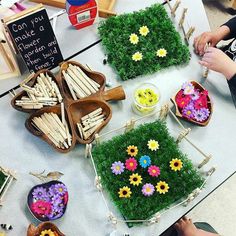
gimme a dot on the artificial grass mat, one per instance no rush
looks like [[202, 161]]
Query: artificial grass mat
[[115, 33], [181, 183]]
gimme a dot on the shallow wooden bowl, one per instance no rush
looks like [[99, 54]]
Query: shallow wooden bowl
[[210, 106], [31, 83], [96, 76], [36, 231], [83, 107], [32, 129]]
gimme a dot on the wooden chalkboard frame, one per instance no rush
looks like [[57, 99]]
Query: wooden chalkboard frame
[[39, 49]]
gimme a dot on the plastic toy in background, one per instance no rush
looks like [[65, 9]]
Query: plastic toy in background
[[82, 13]]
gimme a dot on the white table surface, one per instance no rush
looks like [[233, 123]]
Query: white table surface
[[86, 213]]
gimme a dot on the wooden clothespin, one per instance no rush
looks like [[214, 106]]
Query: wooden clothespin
[[174, 8], [182, 19]]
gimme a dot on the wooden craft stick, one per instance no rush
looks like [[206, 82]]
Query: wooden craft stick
[[71, 89], [57, 91], [63, 114], [92, 114], [80, 130], [93, 89], [175, 7], [91, 131], [189, 33], [91, 125], [78, 82], [91, 81]]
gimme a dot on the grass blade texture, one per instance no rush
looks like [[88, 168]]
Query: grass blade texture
[[181, 183], [115, 34]]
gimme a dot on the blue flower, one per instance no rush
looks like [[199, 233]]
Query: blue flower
[[145, 161]]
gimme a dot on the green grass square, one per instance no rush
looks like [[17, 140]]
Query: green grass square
[[137, 207], [115, 33]]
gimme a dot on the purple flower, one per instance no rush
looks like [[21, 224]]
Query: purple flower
[[148, 190], [55, 213], [188, 88], [40, 193], [57, 200], [199, 115], [60, 189], [195, 95], [117, 168], [188, 111], [206, 111]]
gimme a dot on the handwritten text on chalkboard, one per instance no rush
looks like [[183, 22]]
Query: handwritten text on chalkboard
[[36, 41]]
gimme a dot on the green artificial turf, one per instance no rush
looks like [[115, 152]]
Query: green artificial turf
[[138, 206], [115, 33]]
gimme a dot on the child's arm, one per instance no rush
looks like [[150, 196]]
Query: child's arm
[[231, 24]]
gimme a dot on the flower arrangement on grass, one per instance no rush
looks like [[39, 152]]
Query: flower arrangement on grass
[[124, 35], [154, 185], [48, 202], [193, 103]]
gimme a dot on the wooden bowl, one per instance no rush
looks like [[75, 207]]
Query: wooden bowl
[[178, 112], [83, 107], [36, 231], [31, 83], [57, 110], [96, 76]]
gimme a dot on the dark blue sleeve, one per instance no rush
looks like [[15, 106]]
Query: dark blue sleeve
[[232, 87], [232, 26]]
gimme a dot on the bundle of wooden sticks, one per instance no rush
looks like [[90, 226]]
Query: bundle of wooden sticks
[[56, 129], [44, 93], [90, 123], [79, 84]]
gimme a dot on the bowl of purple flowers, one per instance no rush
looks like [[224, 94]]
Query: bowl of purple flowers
[[48, 201], [193, 103]]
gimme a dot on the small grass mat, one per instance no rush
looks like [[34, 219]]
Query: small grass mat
[[137, 207], [115, 34]]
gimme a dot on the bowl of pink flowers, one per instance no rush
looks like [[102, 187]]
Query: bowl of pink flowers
[[192, 103]]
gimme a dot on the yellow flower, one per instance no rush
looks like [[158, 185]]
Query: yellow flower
[[135, 179], [161, 52], [133, 38], [138, 56], [176, 164], [144, 30], [153, 145], [162, 187], [47, 232], [132, 150], [125, 192]]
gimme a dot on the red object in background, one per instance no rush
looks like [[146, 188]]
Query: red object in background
[[83, 15]]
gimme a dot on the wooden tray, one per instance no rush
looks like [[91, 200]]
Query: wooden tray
[[30, 84], [104, 6], [74, 109], [210, 107], [35, 231]]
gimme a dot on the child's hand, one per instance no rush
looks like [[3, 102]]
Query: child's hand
[[218, 61], [203, 39]]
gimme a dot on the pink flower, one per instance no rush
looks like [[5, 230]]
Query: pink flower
[[182, 100], [154, 171], [41, 208], [200, 103], [66, 196], [131, 164]]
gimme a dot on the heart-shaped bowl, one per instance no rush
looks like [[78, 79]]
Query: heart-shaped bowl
[[96, 76], [179, 111], [83, 107], [42, 229], [31, 83], [48, 201], [35, 131]]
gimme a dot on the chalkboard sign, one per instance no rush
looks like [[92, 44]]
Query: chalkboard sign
[[34, 38]]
